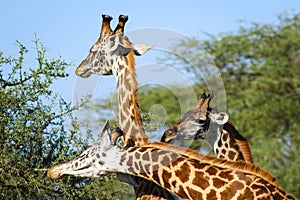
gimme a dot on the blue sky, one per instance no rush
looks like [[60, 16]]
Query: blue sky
[[69, 28]]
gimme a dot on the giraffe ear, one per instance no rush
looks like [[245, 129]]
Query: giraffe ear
[[219, 118], [140, 49], [121, 50], [105, 135]]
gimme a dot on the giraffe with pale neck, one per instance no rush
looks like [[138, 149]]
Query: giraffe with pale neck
[[113, 54], [184, 172]]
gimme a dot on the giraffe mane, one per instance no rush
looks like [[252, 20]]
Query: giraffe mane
[[239, 165], [240, 140], [137, 112]]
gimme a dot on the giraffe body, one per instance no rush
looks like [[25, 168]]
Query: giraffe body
[[184, 172]]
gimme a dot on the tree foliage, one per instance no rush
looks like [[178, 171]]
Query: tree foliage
[[37, 130]]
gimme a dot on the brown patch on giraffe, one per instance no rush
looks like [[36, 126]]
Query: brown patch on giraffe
[[247, 178], [192, 192], [141, 150], [212, 171], [226, 145], [248, 193], [226, 194], [137, 155], [129, 161], [154, 157], [165, 161], [166, 176], [220, 143], [141, 166], [226, 175], [147, 168], [224, 152], [224, 137], [211, 195], [146, 156], [261, 190], [184, 172], [236, 185], [155, 167], [182, 193], [123, 158], [201, 180], [155, 177], [218, 183], [136, 166], [174, 183], [231, 155]]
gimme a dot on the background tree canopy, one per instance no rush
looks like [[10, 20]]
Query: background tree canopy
[[260, 67]]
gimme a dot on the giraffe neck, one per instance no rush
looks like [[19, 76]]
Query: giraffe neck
[[229, 144], [129, 111], [186, 173]]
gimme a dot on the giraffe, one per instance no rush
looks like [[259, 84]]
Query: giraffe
[[182, 171], [113, 53], [206, 123]]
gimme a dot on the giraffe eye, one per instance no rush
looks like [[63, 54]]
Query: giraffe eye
[[119, 142], [200, 121]]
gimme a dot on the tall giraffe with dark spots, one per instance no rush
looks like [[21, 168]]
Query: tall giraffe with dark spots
[[113, 53]]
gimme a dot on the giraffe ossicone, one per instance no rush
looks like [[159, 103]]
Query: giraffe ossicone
[[184, 172]]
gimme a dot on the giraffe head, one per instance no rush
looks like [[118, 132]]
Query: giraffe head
[[93, 162], [197, 123], [109, 50]]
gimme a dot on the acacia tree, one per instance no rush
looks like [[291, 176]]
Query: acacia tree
[[37, 130]]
